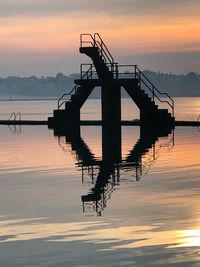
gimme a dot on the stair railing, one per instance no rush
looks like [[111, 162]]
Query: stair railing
[[105, 53], [138, 74], [14, 116], [61, 100], [155, 92], [89, 74], [87, 40]]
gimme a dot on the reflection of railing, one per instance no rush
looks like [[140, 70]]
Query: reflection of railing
[[15, 116], [100, 203], [66, 148], [15, 129], [91, 171], [156, 149]]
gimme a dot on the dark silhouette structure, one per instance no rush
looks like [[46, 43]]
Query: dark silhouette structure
[[105, 172], [111, 77]]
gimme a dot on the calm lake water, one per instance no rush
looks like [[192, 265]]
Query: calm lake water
[[73, 199]]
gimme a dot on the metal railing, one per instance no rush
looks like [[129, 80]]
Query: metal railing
[[15, 116], [155, 92], [88, 71], [87, 40], [130, 72], [61, 100], [85, 74]]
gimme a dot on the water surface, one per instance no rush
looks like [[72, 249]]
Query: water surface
[[64, 204]]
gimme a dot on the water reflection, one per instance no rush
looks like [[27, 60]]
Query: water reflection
[[15, 129], [105, 172]]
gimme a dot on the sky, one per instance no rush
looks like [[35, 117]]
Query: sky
[[41, 37]]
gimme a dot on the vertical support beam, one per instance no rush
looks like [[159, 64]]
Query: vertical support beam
[[110, 102], [111, 143]]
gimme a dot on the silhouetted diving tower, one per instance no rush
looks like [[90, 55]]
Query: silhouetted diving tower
[[109, 75]]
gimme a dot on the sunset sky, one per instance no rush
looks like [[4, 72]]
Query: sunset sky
[[41, 37]]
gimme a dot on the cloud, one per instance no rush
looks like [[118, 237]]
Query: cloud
[[111, 7]]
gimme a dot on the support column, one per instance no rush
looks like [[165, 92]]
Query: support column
[[110, 102]]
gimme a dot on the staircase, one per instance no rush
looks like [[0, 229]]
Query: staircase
[[100, 55], [72, 101], [106, 73], [149, 110]]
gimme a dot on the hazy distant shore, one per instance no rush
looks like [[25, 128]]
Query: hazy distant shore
[[54, 86]]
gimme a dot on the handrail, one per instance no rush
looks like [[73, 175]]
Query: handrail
[[103, 48], [66, 94], [86, 42], [90, 73], [87, 74], [139, 74], [15, 115], [96, 41], [145, 80]]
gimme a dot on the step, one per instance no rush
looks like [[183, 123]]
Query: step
[[68, 105]]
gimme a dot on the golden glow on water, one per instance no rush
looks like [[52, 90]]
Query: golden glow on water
[[34, 152], [158, 213], [188, 238], [98, 232]]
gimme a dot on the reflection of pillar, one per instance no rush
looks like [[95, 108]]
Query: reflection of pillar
[[111, 102], [111, 143]]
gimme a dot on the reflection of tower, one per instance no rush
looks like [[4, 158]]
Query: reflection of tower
[[105, 173], [147, 140], [108, 175], [111, 143]]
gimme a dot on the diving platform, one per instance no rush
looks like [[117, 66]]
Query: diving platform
[[111, 77]]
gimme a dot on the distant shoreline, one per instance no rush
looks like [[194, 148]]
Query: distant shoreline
[[186, 85], [56, 98]]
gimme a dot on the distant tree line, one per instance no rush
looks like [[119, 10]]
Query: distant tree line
[[44, 87], [176, 85], [53, 87]]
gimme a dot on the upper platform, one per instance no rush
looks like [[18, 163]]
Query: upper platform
[[98, 82]]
